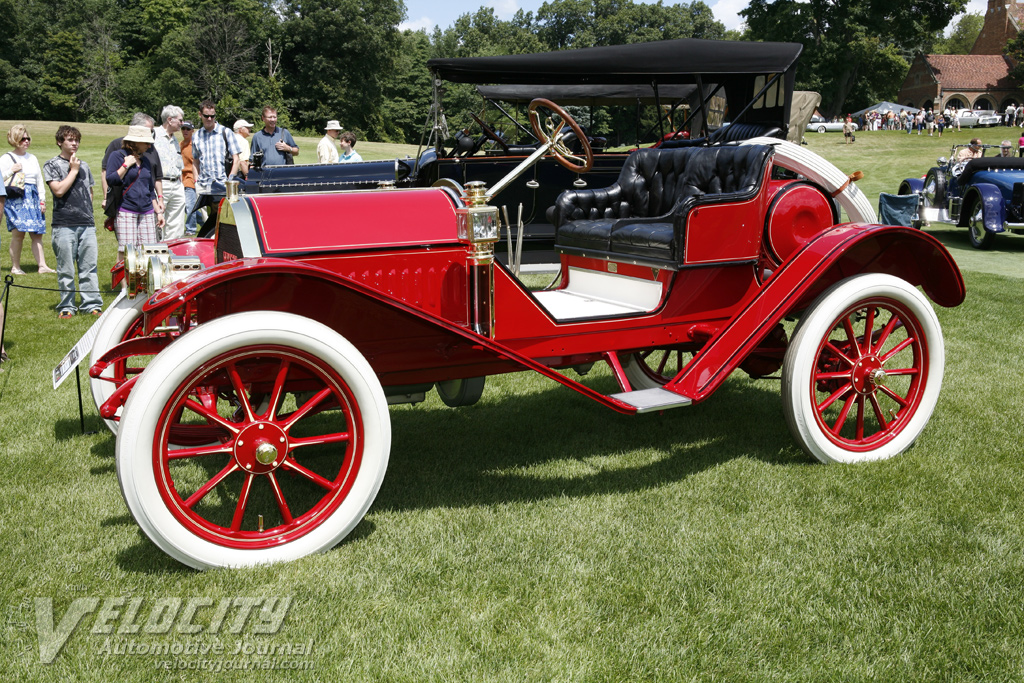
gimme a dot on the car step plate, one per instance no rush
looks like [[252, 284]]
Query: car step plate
[[650, 400]]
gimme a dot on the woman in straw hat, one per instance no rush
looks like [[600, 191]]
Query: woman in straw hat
[[138, 216]]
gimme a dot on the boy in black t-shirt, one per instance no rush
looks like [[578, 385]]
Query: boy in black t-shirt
[[74, 228]]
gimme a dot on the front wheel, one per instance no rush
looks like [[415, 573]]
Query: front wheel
[[291, 439], [862, 375], [935, 189], [980, 237], [821, 129], [120, 322]]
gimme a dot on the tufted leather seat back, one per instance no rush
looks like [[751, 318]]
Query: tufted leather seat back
[[651, 179]]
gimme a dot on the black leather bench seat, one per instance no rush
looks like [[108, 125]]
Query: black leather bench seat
[[585, 234], [642, 216], [649, 240]]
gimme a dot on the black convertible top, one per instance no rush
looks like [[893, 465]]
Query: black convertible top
[[588, 95], [666, 61]]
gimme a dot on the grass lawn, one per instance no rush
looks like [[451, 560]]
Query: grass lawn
[[536, 536]]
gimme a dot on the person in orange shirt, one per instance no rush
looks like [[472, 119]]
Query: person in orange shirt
[[188, 176]]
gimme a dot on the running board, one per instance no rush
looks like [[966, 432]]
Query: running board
[[650, 400]]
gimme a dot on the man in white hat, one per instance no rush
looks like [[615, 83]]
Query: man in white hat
[[243, 129], [326, 150]]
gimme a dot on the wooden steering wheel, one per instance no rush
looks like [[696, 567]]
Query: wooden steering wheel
[[489, 134], [551, 131]]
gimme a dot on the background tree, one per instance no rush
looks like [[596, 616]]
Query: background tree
[[1015, 51], [339, 56], [852, 50], [961, 39]]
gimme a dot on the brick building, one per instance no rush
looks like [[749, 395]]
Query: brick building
[[980, 80]]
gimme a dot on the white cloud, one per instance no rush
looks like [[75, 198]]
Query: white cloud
[[976, 7], [423, 22], [504, 9], [727, 12]]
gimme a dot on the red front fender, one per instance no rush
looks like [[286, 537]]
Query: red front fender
[[403, 343], [841, 252]]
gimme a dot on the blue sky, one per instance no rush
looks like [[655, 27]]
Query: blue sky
[[428, 13]]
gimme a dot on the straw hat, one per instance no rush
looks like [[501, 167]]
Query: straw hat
[[139, 134], [333, 125]]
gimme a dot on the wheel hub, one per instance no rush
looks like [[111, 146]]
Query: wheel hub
[[261, 448], [868, 375]]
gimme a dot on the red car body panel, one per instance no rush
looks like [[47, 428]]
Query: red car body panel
[[355, 220], [407, 309]]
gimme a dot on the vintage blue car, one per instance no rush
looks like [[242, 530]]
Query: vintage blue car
[[984, 195]]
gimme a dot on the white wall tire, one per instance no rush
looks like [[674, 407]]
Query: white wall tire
[[115, 326], [811, 166], [306, 473], [848, 401]]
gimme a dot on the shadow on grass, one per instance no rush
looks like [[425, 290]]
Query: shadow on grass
[[545, 444], [555, 444], [70, 427]]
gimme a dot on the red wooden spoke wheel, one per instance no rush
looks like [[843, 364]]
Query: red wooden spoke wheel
[[257, 449], [289, 432], [563, 154], [861, 377]]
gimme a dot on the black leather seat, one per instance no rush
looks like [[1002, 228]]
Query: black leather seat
[[642, 216]]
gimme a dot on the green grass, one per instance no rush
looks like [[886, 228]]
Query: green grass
[[539, 537]]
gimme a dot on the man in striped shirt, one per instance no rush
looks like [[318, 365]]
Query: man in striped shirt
[[212, 146]]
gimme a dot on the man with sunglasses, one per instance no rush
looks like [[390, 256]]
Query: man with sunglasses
[[212, 146]]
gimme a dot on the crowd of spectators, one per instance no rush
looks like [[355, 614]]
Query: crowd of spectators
[[155, 187]]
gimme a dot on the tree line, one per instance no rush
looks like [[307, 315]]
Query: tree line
[[102, 60]]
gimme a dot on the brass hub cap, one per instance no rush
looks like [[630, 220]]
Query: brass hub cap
[[868, 375], [261, 448]]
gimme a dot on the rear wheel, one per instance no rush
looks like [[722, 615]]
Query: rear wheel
[[654, 367], [821, 129], [291, 439], [456, 393], [862, 375]]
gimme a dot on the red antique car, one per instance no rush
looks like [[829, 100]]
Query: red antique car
[[248, 376]]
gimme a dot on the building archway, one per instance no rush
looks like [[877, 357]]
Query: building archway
[[956, 102], [1007, 102], [928, 104], [984, 103]]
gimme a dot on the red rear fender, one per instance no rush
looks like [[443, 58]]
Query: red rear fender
[[841, 252]]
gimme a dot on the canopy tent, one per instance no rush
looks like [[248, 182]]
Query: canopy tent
[[885, 108]]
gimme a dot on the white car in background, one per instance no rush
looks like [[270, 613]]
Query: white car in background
[[981, 118], [819, 125]]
